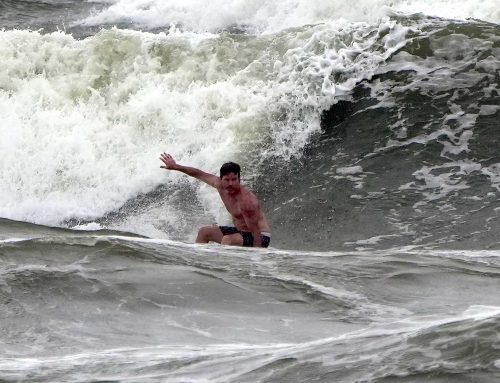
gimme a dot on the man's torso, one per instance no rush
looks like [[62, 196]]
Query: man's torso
[[234, 206]]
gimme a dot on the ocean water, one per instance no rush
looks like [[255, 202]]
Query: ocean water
[[369, 130]]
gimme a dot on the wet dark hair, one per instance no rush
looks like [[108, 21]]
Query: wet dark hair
[[230, 167]]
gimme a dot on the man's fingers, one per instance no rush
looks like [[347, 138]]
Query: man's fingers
[[167, 160]]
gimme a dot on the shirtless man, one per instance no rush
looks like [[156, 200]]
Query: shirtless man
[[250, 224]]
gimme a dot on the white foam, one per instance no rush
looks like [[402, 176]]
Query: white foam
[[351, 170], [372, 241], [486, 10], [74, 151], [255, 16], [271, 16], [91, 226], [13, 240], [354, 174], [437, 182], [493, 172], [489, 110]]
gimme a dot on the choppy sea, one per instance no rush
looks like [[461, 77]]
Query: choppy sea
[[370, 131]]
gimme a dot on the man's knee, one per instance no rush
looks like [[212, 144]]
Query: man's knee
[[209, 233], [204, 231]]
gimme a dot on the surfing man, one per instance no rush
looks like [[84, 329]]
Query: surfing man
[[250, 224]]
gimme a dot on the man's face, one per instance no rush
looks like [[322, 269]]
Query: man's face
[[231, 183]]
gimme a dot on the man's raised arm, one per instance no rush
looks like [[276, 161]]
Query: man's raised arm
[[170, 164]]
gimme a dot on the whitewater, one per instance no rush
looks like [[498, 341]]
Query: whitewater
[[368, 130]]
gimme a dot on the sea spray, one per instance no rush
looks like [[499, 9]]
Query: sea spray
[[269, 17]]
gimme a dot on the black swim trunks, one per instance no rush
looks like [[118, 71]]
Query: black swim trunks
[[247, 236]]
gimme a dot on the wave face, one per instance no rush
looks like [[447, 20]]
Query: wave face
[[370, 125], [103, 306]]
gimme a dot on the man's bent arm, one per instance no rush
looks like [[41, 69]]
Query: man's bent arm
[[170, 164]]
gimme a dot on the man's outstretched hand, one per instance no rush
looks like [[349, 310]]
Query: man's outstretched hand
[[168, 161]]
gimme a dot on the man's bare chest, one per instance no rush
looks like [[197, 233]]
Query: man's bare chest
[[233, 206]]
